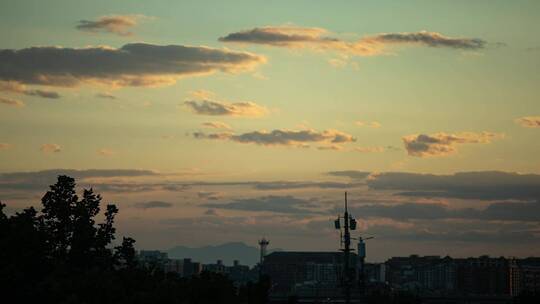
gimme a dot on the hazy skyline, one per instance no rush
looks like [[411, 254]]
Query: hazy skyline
[[216, 121]]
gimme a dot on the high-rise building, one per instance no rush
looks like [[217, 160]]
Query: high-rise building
[[437, 276], [483, 276], [154, 259], [175, 265], [375, 272], [191, 268], [403, 272], [302, 272], [218, 267], [525, 276]]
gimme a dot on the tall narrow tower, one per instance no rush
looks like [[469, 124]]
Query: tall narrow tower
[[347, 251], [263, 243], [349, 223]]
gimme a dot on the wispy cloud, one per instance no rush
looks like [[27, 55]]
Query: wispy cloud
[[369, 124], [223, 108], [18, 88], [352, 174], [459, 231], [202, 94], [220, 136], [331, 147], [115, 24], [529, 121], [442, 144], [5, 146], [297, 37], [136, 64], [216, 125], [32, 181], [211, 212], [287, 185], [322, 40], [485, 185], [369, 149], [105, 95], [11, 102], [506, 211], [299, 138], [271, 203], [42, 93], [106, 152], [208, 195], [291, 137], [50, 148], [425, 38], [152, 205]]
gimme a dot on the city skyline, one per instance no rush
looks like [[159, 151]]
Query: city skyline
[[208, 122]]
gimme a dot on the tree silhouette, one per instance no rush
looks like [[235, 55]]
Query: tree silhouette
[[125, 254], [60, 255]]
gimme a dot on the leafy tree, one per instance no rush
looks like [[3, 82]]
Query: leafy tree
[[256, 292], [58, 210], [60, 255], [125, 253]]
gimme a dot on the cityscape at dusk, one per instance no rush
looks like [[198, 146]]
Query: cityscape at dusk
[[212, 125]]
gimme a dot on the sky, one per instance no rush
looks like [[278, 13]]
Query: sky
[[215, 121]]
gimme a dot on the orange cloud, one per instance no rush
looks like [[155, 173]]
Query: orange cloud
[[369, 149], [299, 37], [442, 144], [5, 146], [11, 102], [116, 24], [18, 88], [135, 64], [331, 147], [106, 152], [369, 124], [425, 38], [278, 137], [529, 121], [216, 125], [222, 108], [50, 148], [320, 39]]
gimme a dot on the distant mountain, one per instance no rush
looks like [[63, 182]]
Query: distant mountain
[[228, 252]]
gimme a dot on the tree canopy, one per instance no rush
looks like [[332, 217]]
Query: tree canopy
[[61, 255]]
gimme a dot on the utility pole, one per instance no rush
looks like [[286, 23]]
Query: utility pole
[[346, 251], [349, 223]]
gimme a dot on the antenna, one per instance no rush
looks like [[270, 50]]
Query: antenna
[[345, 201], [348, 224], [263, 243]]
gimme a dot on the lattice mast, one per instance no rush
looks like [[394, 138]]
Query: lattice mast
[[349, 223]]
